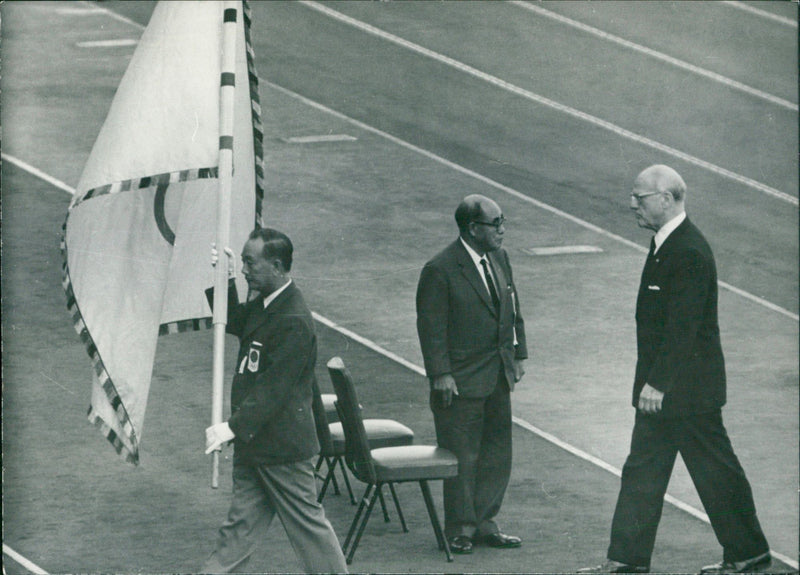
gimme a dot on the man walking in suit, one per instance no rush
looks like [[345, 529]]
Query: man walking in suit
[[272, 423], [679, 391], [473, 343]]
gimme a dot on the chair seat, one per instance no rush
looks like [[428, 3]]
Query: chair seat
[[380, 433], [414, 463]]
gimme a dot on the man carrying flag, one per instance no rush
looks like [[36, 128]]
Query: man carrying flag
[[272, 423], [149, 197]]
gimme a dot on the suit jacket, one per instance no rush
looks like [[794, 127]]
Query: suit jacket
[[274, 381], [677, 331], [460, 331]]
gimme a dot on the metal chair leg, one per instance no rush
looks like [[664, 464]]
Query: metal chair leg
[[437, 528], [332, 469], [359, 511], [397, 506], [383, 504], [361, 527], [330, 477], [347, 481]]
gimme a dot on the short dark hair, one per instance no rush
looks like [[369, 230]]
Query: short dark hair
[[276, 244], [468, 211]]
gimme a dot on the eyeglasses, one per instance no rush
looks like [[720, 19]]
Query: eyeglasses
[[638, 197], [495, 224]]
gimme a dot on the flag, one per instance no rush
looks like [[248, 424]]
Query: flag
[[138, 232]]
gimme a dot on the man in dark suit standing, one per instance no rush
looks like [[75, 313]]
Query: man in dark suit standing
[[272, 423], [473, 343], [679, 390]]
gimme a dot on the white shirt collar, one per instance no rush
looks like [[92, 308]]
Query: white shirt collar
[[667, 229], [472, 253], [476, 259], [271, 297]]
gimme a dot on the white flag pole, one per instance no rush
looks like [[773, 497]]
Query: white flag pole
[[231, 18]]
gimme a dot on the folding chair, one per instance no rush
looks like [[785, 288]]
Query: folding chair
[[381, 433], [386, 465]]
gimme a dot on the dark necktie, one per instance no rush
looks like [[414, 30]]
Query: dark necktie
[[490, 284], [652, 246]]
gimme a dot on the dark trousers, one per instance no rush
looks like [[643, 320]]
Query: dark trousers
[[478, 432], [717, 475]]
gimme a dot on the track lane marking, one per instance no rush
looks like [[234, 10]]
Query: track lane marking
[[38, 173], [111, 14], [575, 113], [762, 13], [323, 138], [561, 250], [121, 42], [29, 565], [655, 54]]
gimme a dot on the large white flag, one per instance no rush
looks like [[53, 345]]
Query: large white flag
[[138, 231]]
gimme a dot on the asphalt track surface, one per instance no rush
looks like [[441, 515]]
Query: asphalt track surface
[[505, 99]]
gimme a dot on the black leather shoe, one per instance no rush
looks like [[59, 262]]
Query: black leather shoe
[[501, 541], [752, 565], [460, 544], [615, 567]]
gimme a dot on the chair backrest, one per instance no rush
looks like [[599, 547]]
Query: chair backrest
[[357, 452], [321, 422]]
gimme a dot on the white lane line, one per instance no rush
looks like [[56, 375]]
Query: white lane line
[[658, 55], [762, 13], [594, 120], [88, 11], [368, 343], [682, 505], [53, 381], [112, 14], [38, 173], [320, 138], [29, 565], [512, 192], [562, 250], [107, 43]]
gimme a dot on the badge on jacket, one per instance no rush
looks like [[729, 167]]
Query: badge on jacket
[[252, 358]]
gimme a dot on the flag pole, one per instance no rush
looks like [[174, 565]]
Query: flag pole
[[220, 313]]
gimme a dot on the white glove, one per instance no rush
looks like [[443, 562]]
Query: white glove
[[216, 435], [231, 259]]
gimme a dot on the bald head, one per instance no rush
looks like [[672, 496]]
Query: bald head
[[480, 223], [661, 178], [472, 208], [658, 196]]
